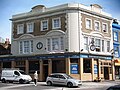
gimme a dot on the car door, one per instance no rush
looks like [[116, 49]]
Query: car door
[[61, 80], [16, 76], [55, 79]]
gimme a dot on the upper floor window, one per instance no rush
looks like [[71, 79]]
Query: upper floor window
[[20, 28], [116, 51], [103, 45], [55, 44], [98, 45], [30, 27], [86, 43], [56, 23], [44, 25], [88, 24], [104, 27], [108, 46], [26, 47], [115, 36], [97, 26]]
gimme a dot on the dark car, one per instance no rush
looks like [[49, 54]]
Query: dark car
[[116, 87]]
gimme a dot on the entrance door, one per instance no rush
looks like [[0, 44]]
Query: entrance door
[[106, 73], [45, 72]]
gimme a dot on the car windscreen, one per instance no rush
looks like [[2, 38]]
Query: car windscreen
[[22, 72], [68, 76]]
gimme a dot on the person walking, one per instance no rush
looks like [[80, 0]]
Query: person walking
[[35, 78]]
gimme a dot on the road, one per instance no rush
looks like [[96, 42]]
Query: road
[[43, 86]]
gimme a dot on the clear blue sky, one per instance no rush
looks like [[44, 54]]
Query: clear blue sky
[[12, 7]]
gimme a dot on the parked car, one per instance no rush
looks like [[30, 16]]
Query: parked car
[[116, 87], [62, 79], [13, 75]]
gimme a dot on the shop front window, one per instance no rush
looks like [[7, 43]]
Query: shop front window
[[87, 66], [33, 66], [58, 66]]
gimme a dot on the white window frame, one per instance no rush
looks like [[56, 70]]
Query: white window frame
[[86, 43], [20, 28], [115, 36], [106, 27], [108, 46], [42, 29], [53, 25], [29, 48], [103, 45], [90, 26], [51, 44], [95, 26], [98, 44], [30, 27]]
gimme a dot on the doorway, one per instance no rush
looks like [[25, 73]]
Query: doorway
[[106, 73], [45, 72]]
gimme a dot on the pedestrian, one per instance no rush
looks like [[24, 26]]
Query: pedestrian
[[35, 78]]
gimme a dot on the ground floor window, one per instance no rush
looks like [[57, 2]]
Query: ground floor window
[[74, 66], [87, 67], [33, 66], [6, 64], [58, 66]]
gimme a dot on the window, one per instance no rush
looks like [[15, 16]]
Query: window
[[88, 24], [56, 23], [20, 28], [44, 25], [58, 66], [103, 48], [48, 44], [86, 66], [108, 46], [62, 43], [25, 47], [115, 35], [21, 49], [104, 27], [55, 44], [97, 26], [97, 44], [86, 43], [30, 27], [116, 51]]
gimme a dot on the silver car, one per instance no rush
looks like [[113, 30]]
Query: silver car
[[62, 79]]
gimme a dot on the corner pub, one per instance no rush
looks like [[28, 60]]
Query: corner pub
[[61, 39]]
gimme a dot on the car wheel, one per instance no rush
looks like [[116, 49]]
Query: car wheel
[[21, 81], [49, 83], [3, 81], [69, 84]]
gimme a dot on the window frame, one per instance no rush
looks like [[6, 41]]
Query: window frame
[[30, 27], [26, 49], [53, 24], [98, 25], [115, 36], [106, 27], [90, 26], [50, 42], [42, 28], [20, 28]]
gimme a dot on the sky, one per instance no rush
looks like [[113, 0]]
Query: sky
[[13, 7]]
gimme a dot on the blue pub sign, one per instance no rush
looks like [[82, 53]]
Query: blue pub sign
[[74, 68]]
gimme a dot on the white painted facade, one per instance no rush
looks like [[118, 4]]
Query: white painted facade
[[73, 37]]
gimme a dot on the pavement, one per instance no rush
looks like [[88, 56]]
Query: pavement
[[85, 85]]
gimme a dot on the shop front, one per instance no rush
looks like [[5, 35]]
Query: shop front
[[80, 66], [117, 68]]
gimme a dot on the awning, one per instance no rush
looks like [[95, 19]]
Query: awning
[[117, 62]]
